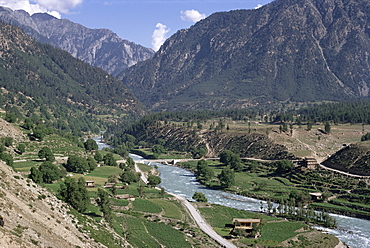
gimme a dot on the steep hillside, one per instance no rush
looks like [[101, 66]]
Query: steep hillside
[[288, 50], [353, 159], [33, 217], [98, 47], [42, 79]]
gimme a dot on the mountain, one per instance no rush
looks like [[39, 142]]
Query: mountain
[[41, 81], [288, 50], [98, 47]]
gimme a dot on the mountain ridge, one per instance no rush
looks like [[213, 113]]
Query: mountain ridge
[[284, 51], [98, 47]]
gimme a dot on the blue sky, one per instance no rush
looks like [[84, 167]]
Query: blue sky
[[145, 22]]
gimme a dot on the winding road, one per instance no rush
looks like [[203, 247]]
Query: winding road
[[196, 216]]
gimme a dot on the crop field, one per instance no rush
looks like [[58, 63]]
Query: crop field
[[146, 206], [166, 235], [171, 209], [24, 166]]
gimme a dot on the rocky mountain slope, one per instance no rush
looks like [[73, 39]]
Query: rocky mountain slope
[[288, 50], [33, 217], [98, 47]]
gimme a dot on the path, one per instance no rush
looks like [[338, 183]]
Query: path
[[202, 224], [342, 172]]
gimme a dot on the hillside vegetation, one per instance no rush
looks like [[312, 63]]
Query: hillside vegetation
[[49, 83]]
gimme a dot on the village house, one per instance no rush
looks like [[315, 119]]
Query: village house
[[90, 184], [310, 163], [125, 197], [316, 196], [246, 224]]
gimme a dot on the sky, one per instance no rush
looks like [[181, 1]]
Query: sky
[[144, 22]]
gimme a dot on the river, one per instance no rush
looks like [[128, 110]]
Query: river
[[353, 231]]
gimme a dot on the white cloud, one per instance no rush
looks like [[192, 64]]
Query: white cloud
[[159, 36], [258, 6], [192, 15], [52, 7]]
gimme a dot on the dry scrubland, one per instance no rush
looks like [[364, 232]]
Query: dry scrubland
[[302, 143]]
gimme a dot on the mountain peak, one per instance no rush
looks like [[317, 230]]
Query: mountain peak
[[43, 17]]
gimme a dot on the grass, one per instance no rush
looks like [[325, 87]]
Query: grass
[[280, 231], [24, 166], [144, 167], [146, 206], [136, 233], [167, 236], [171, 209]]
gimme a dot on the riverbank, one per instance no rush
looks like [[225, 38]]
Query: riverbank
[[182, 182]]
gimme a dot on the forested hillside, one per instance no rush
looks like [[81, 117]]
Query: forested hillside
[[288, 50], [49, 83]]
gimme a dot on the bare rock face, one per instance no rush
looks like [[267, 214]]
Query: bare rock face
[[98, 47], [288, 50]]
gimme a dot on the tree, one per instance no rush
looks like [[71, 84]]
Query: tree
[[49, 172], [197, 152], [90, 145], [226, 156], [35, 175], [158, 149], [8, 141], [129, 176], [309, 125], [140, 190], [7, 158], [203, 170], [104, 204], [226, 177], [199, 197], [46, 153], [28, 124], [154, 180], [284, 166], [74, 193], [39, 132], [10, 117], [76, 164], [91, 163], [327, 127], [98, 157], [130, 163], [109, 159], [21, 148]]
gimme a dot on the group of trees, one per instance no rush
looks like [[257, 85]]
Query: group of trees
[[79, 164], [75, 193], [204, 172], [295, 210], [232, 160]]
